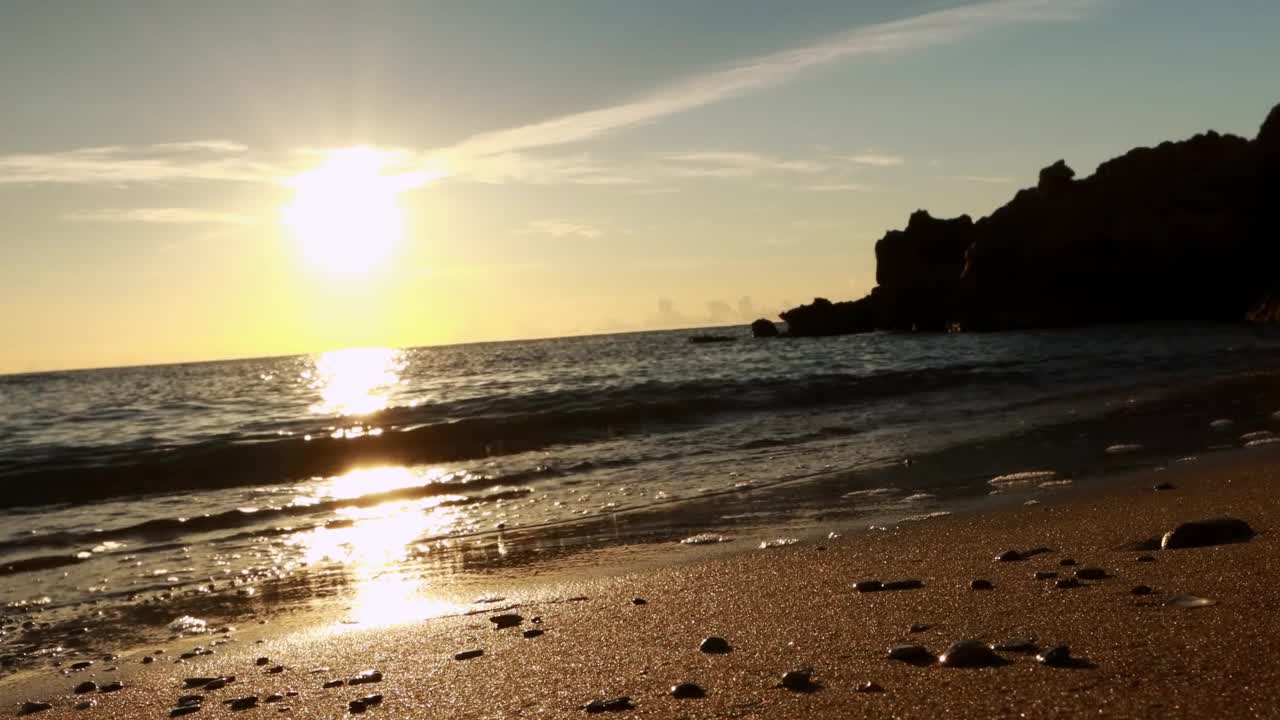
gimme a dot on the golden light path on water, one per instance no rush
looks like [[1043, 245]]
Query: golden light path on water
[[357, 381], [378, 543]]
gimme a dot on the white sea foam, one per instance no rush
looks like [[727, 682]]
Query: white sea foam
[[188, 625], [873, 492], [1262, 441], [1054, 483], [925, 516], [704, 539], [1258, 435], [1025, 476], [778, 542], [918, 497], [1222, 424], [1123, 448]]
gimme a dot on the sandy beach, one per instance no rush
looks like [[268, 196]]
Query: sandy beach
[[793, 608]]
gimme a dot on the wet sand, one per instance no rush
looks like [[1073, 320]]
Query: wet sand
[[793, 607]]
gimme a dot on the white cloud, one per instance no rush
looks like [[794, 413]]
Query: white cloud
[[877, 160], [561, 228], [214, 160], [734, 164], [164, 216]]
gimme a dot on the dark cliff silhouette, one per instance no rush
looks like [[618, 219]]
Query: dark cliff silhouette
[[1184, 231]]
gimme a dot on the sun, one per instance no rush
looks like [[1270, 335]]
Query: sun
[[345, 215]]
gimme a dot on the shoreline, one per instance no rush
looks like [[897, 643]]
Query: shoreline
[[790, 607]]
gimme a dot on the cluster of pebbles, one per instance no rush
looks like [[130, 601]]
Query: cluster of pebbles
[[962, 653]]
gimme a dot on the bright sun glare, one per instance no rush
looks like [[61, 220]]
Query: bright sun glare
[[345, 214]]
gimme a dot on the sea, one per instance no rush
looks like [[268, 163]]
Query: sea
[[394, 484]]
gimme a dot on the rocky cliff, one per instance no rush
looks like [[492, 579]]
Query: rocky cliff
[[1181, 231]]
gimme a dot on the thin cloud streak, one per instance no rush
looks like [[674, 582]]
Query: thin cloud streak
[[161, 216], [719, 164], [762, 72], [877, 160], [165, 162], [561, 228]]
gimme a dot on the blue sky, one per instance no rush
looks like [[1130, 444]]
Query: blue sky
[[594, 165]]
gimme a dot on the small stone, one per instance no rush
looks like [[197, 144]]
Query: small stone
[[1141, 590], [274, 698], [611, 705], [639, 601], [1158, 487], [1009, 556], [82, 665], [184, 710], [798, 681], [1045, 575], [981, 585], [714, 645], [869, 687], [864, 586], [468, 654], [190, 699], [1067, 562], [87, 686], [532, 633], [1207, 532], [1146, 558], [903, 585], [111, 687], [970, 654], [908, 653], [1189, 601], [86, 704], [1057, 656], [366, 677], [1091, 573], [216, 684], [30, 707], [1015, 646], [918, 628], [536, 619], [334, 684], [262, 661], [506, 620], [275, 670], [243, 703], [1067, 583], [194, 682], [148, 660], [687, 691]]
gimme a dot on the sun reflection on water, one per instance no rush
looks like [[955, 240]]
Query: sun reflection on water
[[378, 544], [356, 381]]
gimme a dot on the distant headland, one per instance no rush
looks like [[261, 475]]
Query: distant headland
[[1184, 231]]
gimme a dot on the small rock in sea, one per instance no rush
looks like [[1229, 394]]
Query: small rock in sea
[[1141, 590], [242, 703], [611, 705], [1158, 487], [148, 660], [981, 585], [30, 707], [1067, 583], [1189, 601], [1091, 573], [334, 684], [184, 710], [87, 686], [869, 687], [1009, 556], [970, 654], [86, 704], [111, 687], [908, 653], [1203, 533], [468, 654], [639, 601], [714, 645], [82, 665], [687, 691], [366, 677], [275, 670], [1146, 558], [798, 681], [1045, 575], [917, 628], [902, 585], [262, 661], [1015, 646], [532, 633], [506, 620], [863, 586], [274, 698], [1057, 656], [1067, 562]]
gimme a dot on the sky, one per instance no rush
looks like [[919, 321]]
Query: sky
[[192, 181]]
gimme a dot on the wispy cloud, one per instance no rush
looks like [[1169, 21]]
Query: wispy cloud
[[216, 160], [876, 160], [837, 187], [734, 164], [561, 228], [163, 216], [761, 72]]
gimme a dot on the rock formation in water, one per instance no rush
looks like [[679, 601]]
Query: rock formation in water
[[1184, 231]]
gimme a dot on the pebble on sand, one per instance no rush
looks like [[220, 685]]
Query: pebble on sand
[[468, 654], [917, 628], [1146, 558], [798, 681], [868, 586], [506, 620], [111, 687], [714, 645], [262, 661], [184, 710], [908, 653], [687, 691], [532, 633], [87, 686], [1141, 590], [639, 601], [1067, 583], [275, 670], [366, 677], [611, 705], [30, 707], [82, 665], [1009, 556], [869, 687], [1067, 562], [1091, 573], [86, 704], [359, 705], [334, 684], [981, 584], [1045, 575], [1056, 656], [242, 703], [1159, 487], [970, 654], [1189, 601], [1203, 533]]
